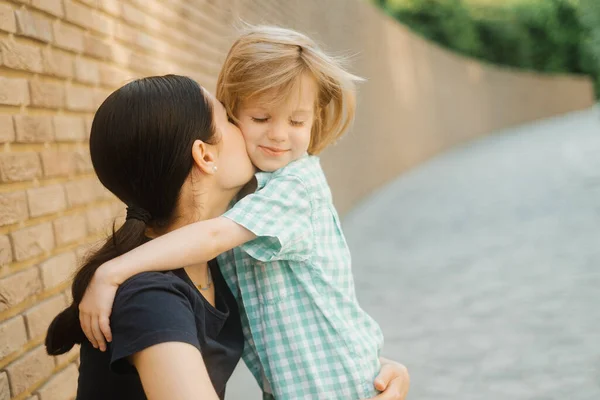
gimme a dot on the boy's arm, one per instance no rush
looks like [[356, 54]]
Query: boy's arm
[[192, 244]]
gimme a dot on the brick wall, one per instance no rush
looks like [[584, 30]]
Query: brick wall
[[60, 58]]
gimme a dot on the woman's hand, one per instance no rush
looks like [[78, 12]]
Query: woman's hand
[[95, 308], [393, 381]]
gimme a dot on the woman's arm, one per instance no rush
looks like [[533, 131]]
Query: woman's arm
[[393, 381], [173, 370]]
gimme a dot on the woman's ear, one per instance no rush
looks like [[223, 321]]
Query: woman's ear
[[204, 157]]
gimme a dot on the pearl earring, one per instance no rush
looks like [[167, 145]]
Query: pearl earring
[[214, 168]]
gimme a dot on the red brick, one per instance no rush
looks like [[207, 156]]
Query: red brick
[[46, 200], [83, 161], [120, 54], [69, 355], [62, 386], [77, 13], [99, 219], [57, 63], [32, 241], [112, 7], [68, 37], [68, 294], [69, 129], [113, 76], [16, 167], [96, 47], [133, 15], [84, 251], [82, 192], [29, 369], [13, 208], [7, 130], [86, 71], [33, 128], [4, 388], [80, 98], [100, 96], [16, 288], [125, 33], [39, 317], [143, 62], [14, 91], [47, 94], [21, 56], [88, 125], [69, 229], [33, 25], [58, 269], [53, 7], [5, 251], [102, 24], [13, 334], [57, 163], [151, 44], [8, 22]]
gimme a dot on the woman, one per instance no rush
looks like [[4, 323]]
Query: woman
[[155, 143]]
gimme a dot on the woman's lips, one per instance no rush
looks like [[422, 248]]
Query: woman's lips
[[273, 151]]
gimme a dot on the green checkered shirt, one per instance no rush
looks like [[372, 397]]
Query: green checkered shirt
[[306, 336]]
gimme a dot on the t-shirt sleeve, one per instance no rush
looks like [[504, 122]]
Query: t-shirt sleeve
[[149, 309], [279, 215]]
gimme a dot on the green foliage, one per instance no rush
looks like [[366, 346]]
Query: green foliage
[[553, 36]]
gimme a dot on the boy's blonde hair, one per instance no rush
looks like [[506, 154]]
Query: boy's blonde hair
[[270, 59]]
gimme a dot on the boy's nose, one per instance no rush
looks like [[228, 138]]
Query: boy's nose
[[277, 134]]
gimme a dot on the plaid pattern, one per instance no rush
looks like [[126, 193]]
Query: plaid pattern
[[306, 336]]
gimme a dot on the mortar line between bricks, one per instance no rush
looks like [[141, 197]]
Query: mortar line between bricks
[[79, 210], [38, 384], [9, 110], [145, 28], [205, 68], [34, 184], [30, 7], [208, 32], [69, 361], [11, 269], [15, 147], [28, 347], [14, 268], [15, 355], [32, 301], [112, 40]]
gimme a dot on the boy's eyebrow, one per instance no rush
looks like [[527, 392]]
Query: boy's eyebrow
[[302, 111]]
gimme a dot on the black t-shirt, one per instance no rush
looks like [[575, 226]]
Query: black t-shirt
[[158, 307]]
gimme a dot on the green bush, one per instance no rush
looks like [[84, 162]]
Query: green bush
[[589, 14], [553, 36]]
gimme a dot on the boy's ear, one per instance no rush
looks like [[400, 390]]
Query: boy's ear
[[203, 157]]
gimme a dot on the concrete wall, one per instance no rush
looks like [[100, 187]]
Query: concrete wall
[[60, 58]]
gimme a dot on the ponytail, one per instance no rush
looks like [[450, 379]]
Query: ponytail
[[65, 330]]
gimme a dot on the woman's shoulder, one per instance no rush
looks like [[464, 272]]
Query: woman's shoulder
[[161, 283]]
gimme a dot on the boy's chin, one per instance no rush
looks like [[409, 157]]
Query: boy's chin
[[268, 165]]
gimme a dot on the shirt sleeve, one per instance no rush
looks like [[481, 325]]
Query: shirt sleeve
[[279, 215], [149, 309]]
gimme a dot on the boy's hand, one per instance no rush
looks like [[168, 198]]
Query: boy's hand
[[393, 381], [95, 309]]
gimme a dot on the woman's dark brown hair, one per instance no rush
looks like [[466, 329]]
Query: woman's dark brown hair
[[140, 145]]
